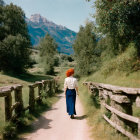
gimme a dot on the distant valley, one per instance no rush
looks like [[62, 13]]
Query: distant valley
[[38, 26]]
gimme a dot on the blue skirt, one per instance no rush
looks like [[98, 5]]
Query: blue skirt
[[70, 101]]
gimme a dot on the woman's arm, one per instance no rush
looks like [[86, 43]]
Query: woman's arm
[[77, 90], [65, 91], [76, 86], [65, 87]]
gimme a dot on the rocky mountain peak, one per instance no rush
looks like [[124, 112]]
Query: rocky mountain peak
[[38, 26], [38, 18]]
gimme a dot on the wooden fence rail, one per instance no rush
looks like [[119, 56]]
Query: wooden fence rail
[[47, 87], [118, 102]]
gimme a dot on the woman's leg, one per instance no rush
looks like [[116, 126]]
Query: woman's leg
[[67, 101], [71, 102]]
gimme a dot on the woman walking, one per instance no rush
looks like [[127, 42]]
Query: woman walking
[[70, 89]]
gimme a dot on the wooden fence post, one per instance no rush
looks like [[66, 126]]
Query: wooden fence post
[[139, 129], [45, 86], [123, 104], [53, 86], [39, 92], [8, 104], [56, 85], [49, 88], [31, 98], [18, 98]]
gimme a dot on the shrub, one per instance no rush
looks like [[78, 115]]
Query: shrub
[[48, 51], [124, 62], [14, 54]]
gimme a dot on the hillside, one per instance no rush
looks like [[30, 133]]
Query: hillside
[[38, 26]]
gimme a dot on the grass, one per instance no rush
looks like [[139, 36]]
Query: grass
[[116, 78], [24, 80], [119, 79], [100, 129], [24, 123]]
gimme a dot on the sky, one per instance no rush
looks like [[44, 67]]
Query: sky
[[68, 13]]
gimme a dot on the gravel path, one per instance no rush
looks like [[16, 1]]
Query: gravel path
[[55, 124]]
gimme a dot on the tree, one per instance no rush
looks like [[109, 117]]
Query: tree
[[2, 2], [121, 21], [84, 47], [48, 51], [1, 20], [14, 39], [14, 21], [14, 54]]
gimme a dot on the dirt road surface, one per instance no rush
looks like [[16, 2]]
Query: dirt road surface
[[56, 124]]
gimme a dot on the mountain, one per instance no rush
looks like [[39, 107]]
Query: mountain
[[38, 26]]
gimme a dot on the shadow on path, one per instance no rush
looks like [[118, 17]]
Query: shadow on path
[[80, 117], [41, 123]]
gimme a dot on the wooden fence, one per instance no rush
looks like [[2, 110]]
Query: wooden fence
[[117, 102], [48, 87]]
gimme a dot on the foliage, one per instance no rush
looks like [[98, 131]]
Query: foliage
[[14, 39], [56, 61], [124, 62], [1, 22], [66, 60], [2, 2], [67, 57], [9, 131], [14, 21], [48, 51], [84, 47], [121, 21], [14, 53]]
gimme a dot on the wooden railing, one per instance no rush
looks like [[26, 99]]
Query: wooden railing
[[118, 102], [49, 87]]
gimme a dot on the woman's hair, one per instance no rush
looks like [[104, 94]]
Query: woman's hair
[[69, 72]]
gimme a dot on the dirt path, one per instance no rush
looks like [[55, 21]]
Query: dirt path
[[55, 124]]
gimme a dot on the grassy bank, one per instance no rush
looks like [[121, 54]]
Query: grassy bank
[[116, 78], [24, 80], [100, 129]]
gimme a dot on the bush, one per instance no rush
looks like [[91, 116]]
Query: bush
[[9, 131], [120, 20], [48, 52], [14, 54], [125, 62], [65, 57], [84, 49]]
